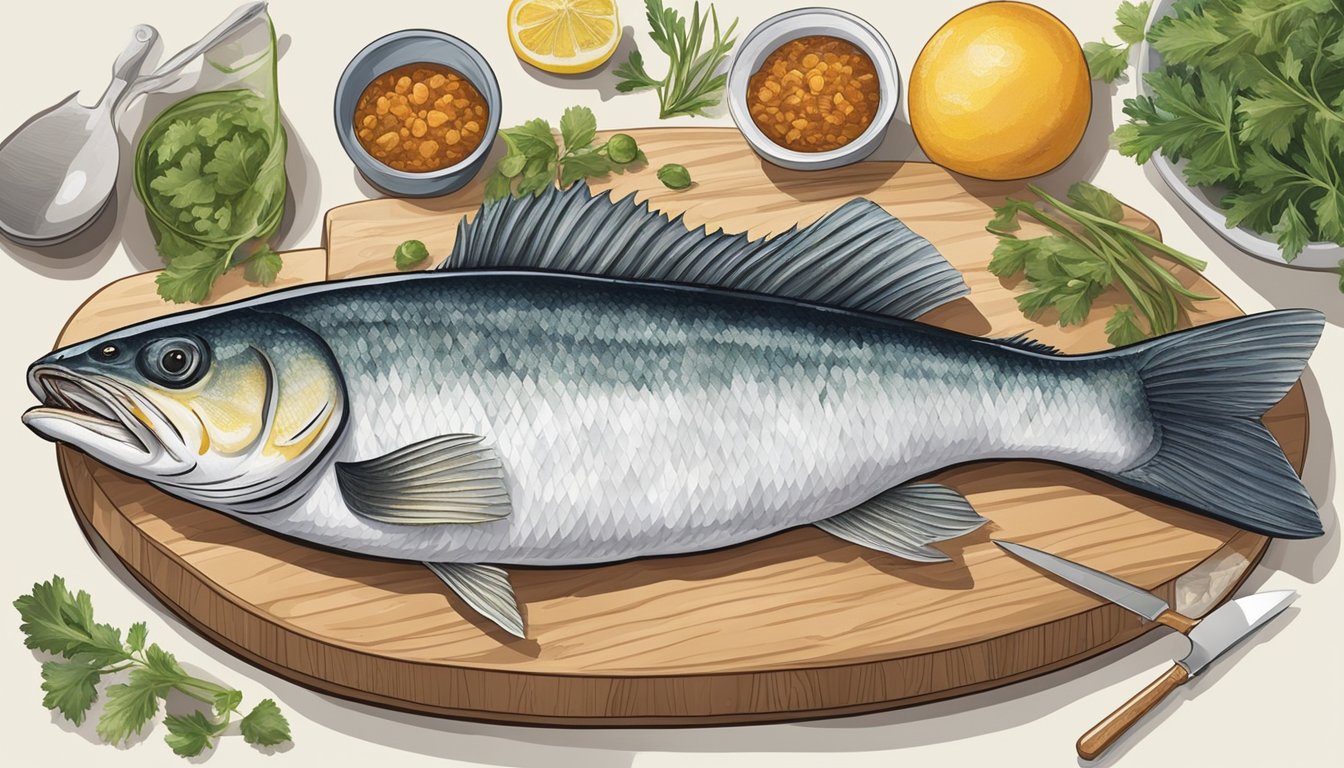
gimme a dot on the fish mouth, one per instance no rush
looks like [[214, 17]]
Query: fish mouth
[[94, 406]]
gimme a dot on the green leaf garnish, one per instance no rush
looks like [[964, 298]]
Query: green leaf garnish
[[1250, 100], [693, 82], [58, 622], [1107, 62], [263, 266], [265, 725], [1087, 252], [1123, 328], [534, 161]]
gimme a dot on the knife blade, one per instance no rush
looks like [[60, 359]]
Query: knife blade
[[1103, 585], [1216, 634]]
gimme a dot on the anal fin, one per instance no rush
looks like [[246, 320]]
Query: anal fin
[[903, 521], [486, 589]]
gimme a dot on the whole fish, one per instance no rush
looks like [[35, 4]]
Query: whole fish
[[587, 381]]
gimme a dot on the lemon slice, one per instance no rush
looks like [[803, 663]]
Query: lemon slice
[[564, 36]]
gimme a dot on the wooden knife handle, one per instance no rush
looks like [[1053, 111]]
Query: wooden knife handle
[[1176, 621], [1104, 734]]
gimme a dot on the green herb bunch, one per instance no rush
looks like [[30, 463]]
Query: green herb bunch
[[62, 624], [534, 160], [693, 82], [1107, 61], [1088, 251], [1251, 97]]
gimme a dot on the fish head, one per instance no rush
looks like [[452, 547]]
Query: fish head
[[227, 410]]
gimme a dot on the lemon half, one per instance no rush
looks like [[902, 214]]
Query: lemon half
[[564, 36]]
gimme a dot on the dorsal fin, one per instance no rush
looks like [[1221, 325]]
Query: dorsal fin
[[857, 257], [1023, 341]]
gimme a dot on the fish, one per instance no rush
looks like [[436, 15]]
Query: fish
[[586, 380]]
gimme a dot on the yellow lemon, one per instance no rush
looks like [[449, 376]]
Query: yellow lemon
[[1001, 91], [564, 36]]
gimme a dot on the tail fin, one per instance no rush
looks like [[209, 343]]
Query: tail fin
[[1207, 389]]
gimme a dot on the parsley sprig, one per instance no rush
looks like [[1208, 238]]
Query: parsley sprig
[[693, 82], [1088, 251], [1250, 97], [534, 160], [1107, 61], [61, 623]]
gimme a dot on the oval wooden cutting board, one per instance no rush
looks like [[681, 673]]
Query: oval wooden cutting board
[[797, 625]]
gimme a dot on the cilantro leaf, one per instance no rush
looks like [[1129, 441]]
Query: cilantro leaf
[[135, 639], [56, 621], [1132, 19], [184, 183], [176, 137], [512, 165], [1123, 328], [584, 165], [1341, 275], [71, 687], [1291, 233], [227, 701], [236, 164], [1010, 256], [497, 186], [578, 126], [1270, 118], [265, 725], [1096, 201], [189, 277], [533, 139], [264, 266], [127, 710], [1005, 216], [1106, 62], [190, 735], [1184, 40]]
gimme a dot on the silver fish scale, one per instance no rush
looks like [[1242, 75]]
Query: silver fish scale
[[638, 420]]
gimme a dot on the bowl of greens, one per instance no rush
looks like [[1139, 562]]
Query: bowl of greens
[[1241, 110]]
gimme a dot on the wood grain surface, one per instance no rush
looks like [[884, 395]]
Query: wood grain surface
[[797, 625]]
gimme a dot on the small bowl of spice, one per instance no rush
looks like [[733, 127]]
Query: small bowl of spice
[[813, 88], [417, 111]]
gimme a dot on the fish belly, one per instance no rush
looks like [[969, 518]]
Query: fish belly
[[635, 421]]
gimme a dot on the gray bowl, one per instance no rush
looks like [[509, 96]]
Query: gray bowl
[[413, 46], [803, 22]]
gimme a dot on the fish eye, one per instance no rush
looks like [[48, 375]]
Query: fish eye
[[109, 352], [174, 363]]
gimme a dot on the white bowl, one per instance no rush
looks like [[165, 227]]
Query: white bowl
[[1204, 200], [803, 22]]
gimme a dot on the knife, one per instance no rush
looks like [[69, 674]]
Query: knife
[[1103, 585], [1209, 638], [1218, 632]]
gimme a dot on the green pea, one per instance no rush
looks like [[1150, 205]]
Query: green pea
[[622, 148], [410, 253], [674, 176]]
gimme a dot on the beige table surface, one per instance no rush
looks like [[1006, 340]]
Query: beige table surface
[[1278, 700]]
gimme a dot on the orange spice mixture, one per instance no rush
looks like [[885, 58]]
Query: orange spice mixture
[[814, 94], [420, 118]]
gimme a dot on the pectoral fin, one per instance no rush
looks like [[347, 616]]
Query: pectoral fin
[[486, 589], [905, 520], [448, 479]]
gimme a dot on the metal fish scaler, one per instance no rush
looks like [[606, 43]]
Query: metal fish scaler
[[586, 381]]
